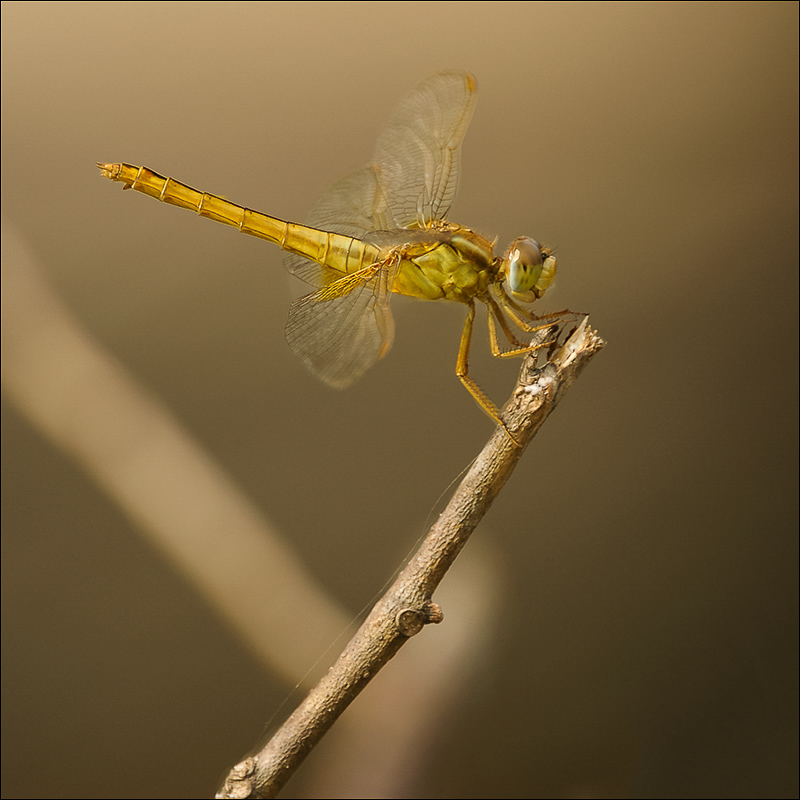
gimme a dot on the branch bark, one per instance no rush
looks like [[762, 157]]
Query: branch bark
[[407, 606]]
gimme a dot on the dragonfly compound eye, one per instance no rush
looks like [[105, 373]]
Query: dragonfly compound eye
[[530, 268]]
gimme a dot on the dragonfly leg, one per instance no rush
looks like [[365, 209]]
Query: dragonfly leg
[[520, 348], [526, 319], [462, 371]]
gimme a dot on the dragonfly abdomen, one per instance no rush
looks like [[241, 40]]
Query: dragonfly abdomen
[[333, 250], [337, 252]]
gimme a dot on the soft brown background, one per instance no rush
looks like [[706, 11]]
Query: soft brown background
[[645, 643]]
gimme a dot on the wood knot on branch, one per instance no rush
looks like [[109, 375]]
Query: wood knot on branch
[[239, 783], [410, 621]]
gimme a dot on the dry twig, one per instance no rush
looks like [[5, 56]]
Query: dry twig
[[407, 606]]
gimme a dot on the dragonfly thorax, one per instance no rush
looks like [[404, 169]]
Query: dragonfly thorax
[[455, 264]]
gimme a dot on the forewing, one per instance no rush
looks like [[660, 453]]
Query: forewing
[[342, 329], [413, 177], [417, 156]]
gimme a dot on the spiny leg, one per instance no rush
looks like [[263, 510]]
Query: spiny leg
[[495, 312], [520, 348], [529, 323], [523, 317], [462, 371]]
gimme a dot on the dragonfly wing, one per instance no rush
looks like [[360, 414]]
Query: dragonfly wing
[[342, 329], [414, 174], [418, 154]]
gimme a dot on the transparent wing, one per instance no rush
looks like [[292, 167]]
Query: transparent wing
[[413, 177], [342, 329], [418, 154]]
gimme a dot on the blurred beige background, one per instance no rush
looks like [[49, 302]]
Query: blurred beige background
[[641, 635]]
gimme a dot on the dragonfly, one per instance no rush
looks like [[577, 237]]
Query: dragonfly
[[383, 230]]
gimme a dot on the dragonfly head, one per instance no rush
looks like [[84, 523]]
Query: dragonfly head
[[529, 269]]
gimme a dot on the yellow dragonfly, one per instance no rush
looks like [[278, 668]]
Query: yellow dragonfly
[[384, 230]]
